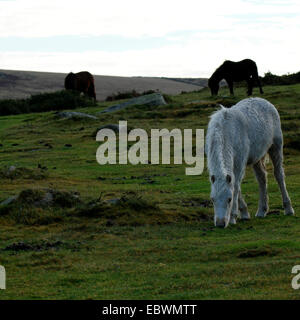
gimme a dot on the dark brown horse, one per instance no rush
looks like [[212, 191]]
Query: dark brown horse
[[82, 82], [235, 71]]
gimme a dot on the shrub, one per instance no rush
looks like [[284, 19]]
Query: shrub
[[272, 79], [44, 102], [127, 95]]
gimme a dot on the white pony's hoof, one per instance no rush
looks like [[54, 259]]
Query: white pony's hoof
[[260, 214], [232, 220], [245, 216], [289, 211]]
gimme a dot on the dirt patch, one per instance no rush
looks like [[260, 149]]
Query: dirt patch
[[258, 252], [39, 246], [196, 202], [148, 179], [203, 216], [48, 198], [47, 206], [39, 206], [274, 212], [23, 173], [129, 209]]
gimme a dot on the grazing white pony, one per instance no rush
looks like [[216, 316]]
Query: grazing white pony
[[241, 135]]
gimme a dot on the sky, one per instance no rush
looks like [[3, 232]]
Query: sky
[[169, 38]]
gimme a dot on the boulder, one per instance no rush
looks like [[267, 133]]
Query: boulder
[[11, 169], [9, 200], [75, 115], [113, 201], [153, 99]]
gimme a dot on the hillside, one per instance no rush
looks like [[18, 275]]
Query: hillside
[[21, 84], [80, 230]]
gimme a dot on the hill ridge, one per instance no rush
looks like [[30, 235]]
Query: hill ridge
[[17, 84]]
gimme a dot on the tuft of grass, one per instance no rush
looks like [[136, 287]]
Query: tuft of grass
[[39, 206], [131, 210]]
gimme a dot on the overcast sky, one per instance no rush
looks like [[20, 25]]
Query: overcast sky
[[186, 38]]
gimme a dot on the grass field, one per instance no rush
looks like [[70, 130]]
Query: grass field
[[158, 241]]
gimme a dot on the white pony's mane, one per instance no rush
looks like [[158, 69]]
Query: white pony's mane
[[220, 151]]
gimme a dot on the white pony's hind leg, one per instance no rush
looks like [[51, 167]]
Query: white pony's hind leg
[[244, 214], [277, 159], [261, 176]]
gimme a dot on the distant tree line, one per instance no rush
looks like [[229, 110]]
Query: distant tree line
[[272, 79]]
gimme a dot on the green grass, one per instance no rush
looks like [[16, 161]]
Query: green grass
[[170, 251]]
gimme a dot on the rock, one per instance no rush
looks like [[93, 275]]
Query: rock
[[9, 200], [11, 169], [75, 115], [153, 99], [113, 201], [46, 200]]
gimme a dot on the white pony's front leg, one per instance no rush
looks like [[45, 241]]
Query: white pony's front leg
[[234, 209], [244, 214]]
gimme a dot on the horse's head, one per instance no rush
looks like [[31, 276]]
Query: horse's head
[[214, 86], [70, 81], [221, 196]]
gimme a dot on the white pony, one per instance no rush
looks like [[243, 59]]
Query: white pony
[[241, 135]]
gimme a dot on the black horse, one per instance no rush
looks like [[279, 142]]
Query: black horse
[[235, 71], [82, 82]]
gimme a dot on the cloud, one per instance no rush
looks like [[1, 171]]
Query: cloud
[[157, 38], [198, 57], [131, 18]]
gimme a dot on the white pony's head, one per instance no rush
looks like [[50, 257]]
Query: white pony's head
[[221, 196]]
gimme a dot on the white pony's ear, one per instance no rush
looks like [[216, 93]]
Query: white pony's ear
[[221, 106]]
